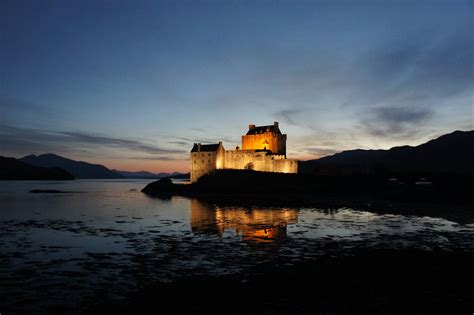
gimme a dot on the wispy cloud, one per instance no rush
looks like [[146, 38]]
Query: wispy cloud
[[320, 152], [190, 140], [134, 145], [180, 143], [22, 140], [396, 121], [287, 115], [158, 158]]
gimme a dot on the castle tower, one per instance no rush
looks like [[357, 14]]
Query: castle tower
[[205, 158], [265, 138]]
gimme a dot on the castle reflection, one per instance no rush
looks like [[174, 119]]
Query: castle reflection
[[254, 226]]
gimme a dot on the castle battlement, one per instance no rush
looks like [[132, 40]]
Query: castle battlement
[[263, 149]]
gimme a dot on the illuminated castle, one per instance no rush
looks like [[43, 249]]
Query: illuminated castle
[[263, 149]]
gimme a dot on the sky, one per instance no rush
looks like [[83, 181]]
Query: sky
[[133, 84]]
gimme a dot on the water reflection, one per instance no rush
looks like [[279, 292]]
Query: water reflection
[[252, 225]]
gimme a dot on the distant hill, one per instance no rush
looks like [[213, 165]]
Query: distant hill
[[13, 169], [181, 175], [145, 174], [450, 153], [77, 168]]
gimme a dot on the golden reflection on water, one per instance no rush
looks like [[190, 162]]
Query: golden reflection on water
[[253, 225]]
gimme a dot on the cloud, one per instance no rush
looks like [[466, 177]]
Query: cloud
[[156, 158], [15, 140], [418, 68], [199, 129], [399, 115], [181, 143], [287, 115], [396, 121], [189, 140], [423, 69], [320, 152], [116, 142]]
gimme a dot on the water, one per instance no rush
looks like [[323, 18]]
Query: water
[[107, 239]]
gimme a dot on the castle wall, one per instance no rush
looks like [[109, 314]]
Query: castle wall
[[205, 162], [202, 163], [265, 141], [259, 161]]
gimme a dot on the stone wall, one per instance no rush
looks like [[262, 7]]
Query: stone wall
[[202, 163], [205, 162], [265, 141], [259, 161]]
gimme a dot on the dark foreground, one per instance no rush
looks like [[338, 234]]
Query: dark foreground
[[112, 249], [381, 281]]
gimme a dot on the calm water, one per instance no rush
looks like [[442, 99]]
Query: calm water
[[107, 239]]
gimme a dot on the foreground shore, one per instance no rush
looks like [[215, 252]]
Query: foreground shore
[[114, 249], [380, 281]]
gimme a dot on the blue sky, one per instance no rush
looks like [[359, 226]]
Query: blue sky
[[132, 84]]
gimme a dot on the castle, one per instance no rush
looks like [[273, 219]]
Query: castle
[[263, 149]]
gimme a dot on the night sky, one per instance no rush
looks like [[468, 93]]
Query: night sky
[[133, 84]]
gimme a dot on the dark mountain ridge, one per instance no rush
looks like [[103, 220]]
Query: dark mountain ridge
[[450, 153], [79, 169], [145, 174], [13, 169]]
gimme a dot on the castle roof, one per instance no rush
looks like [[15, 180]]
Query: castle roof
[[253, 130], [205, 147]]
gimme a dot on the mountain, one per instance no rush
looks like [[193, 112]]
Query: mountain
[[140, 174], [77, 168], [145, 174], [13, 169], [450, 153]]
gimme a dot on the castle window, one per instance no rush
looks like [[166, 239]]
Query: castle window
[[209, 161], [202, 161]]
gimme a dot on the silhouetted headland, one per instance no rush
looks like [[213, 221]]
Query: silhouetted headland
[[438, 194], [150, 175], [79, 169], [13, 169]]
